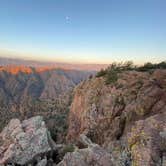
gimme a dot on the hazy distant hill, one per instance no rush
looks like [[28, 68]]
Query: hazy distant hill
[[9, 61]]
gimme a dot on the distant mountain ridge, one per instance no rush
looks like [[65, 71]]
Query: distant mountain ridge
[[18, 62]]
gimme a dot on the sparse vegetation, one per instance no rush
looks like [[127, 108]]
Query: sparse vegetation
[[149, 66], [68, 148], [111, 73], [102, 72]]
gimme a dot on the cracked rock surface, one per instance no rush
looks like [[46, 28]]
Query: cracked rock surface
[[23, 142]]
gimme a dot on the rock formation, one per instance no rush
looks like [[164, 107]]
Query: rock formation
[[23, 143], [125, 117], [146, 141], [92, 155]]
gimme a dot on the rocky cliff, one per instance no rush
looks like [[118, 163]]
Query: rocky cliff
[[124, 117]]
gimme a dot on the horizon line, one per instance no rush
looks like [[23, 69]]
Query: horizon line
[[36, 58]]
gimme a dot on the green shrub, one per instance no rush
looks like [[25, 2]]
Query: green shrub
[[162, 65], [111, 73], [111, 77], [146, 67], [68, 148], [101, 73], [150, 66]]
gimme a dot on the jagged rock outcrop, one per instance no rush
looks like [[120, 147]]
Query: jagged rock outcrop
[[26, 142], [92, 155], [135, 103]]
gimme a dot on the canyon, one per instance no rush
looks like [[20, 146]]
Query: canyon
[[88, 122]]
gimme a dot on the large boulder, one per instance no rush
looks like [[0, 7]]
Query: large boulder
[[21, 143]]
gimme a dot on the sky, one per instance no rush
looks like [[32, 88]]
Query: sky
[[84, 31]]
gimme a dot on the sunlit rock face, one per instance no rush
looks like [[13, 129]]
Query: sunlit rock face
[[115, 115], [13, 69]]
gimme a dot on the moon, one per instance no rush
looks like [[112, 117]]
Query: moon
[[67, 18]]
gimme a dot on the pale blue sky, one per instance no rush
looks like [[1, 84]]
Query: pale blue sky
[[85, 31]]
